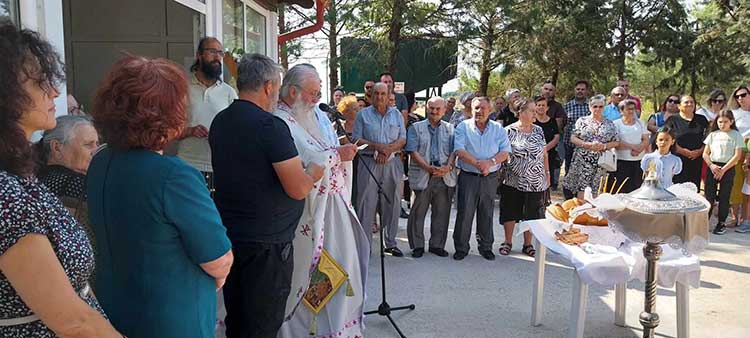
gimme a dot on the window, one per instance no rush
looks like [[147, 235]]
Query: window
[[9, 11], [244, 27]]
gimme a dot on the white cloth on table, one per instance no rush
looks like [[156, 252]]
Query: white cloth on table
[[609, 258]]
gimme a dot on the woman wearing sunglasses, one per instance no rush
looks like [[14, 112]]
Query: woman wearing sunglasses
[[740, 104], [715, 103]]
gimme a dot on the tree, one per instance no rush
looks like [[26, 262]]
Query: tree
[[487, 29], [390, 22], [289, 50]]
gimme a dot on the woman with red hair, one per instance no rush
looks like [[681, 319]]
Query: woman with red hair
[[163, 250]]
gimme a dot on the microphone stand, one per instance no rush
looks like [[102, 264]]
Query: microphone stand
[[384, 309]]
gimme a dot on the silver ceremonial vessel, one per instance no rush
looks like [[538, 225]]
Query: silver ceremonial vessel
[[654, 215]]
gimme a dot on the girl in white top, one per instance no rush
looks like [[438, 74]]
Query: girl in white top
[[724, 148], [633, 145]]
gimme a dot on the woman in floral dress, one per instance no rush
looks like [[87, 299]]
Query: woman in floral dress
[[592, 135]]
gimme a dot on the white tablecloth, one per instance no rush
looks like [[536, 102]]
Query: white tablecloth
[[609, 258]]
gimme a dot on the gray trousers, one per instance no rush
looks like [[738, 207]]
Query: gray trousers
[[476, 194], [390, 176], [438, 195]]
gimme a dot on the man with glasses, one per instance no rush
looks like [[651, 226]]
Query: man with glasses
[[208, 96], [368, 92], [625, 83], [612, 112]]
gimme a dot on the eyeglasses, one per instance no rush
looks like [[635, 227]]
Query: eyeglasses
[[214, 52], [717, 101], [317, 95], [618, 94], [673, 101], [597, 107], [368, 87], [740, 95]]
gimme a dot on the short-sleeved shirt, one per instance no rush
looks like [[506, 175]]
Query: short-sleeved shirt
[[630, 134], [401, 102], [155, 223], [667, 166], [27, 207], [205, 103], [506, 117], [457, 118], [690, 134], [481, 145], [245, 142], [742, 121], [556, 110], [550, 130], [372, 126], [612, 112], [723, 144], [573, 111]]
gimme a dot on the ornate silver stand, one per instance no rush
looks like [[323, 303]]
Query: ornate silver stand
[[648, 318]]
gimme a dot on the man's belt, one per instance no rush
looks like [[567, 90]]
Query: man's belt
[[475, 174]]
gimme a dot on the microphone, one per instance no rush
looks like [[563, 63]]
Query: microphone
[[335, 113]]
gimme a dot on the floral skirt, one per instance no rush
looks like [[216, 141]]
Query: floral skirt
[[584, 171]]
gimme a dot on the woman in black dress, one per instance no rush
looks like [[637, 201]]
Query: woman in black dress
[[690, 129], [551, 136]]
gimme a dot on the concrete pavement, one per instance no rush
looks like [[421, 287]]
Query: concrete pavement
[[476, 298]]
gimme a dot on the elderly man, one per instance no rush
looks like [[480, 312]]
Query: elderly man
[[431, 176], [465, 114], [555, 109], [507, 116], [208, 96], [327, 223], [381, 128], [481, 145], [451, 105], [625, 83], [500, 104], [260, 191], [612, 111]]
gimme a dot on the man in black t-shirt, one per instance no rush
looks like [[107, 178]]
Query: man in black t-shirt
[[260, 190]]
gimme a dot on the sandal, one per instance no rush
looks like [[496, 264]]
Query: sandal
[[529, 250], [505, 248]]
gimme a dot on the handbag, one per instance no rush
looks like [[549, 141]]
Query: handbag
[[608, 160]]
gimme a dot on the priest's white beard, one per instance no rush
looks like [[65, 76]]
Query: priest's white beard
[[305, 115]]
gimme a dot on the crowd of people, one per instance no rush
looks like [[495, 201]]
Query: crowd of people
[[274, 200]]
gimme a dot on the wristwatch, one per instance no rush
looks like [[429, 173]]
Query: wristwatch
[[494, 161]]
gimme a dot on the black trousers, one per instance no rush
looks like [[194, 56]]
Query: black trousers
[[725, 190], [257, 288], [626, 169], [209, 176], [691, 171]]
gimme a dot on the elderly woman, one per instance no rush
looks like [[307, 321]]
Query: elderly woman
[[348, 106], [163, 250], [690, 129], [592, 136], [527, 175], [45, 257], [634, 143], [65, 152]]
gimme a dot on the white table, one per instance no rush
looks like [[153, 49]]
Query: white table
[[614, 267]]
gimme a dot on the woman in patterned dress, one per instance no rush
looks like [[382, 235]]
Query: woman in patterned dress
[[45, 257], [592, 135], [527, 175]]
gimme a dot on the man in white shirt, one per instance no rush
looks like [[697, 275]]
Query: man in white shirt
[[208, 96]]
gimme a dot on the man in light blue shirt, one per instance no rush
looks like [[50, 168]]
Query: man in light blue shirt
[[381, 128], [481, 146], [611, 111]]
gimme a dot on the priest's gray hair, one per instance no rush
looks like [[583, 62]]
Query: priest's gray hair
[[296, 76], [255, 70]]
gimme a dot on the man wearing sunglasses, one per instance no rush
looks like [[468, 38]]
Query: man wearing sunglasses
[[611, 112], [208, 96], [368, 92]]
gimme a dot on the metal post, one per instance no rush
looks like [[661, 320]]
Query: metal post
[[648, 318], [538, 297]]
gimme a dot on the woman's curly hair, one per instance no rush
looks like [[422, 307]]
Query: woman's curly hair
[[142, 104], [24, 56]]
